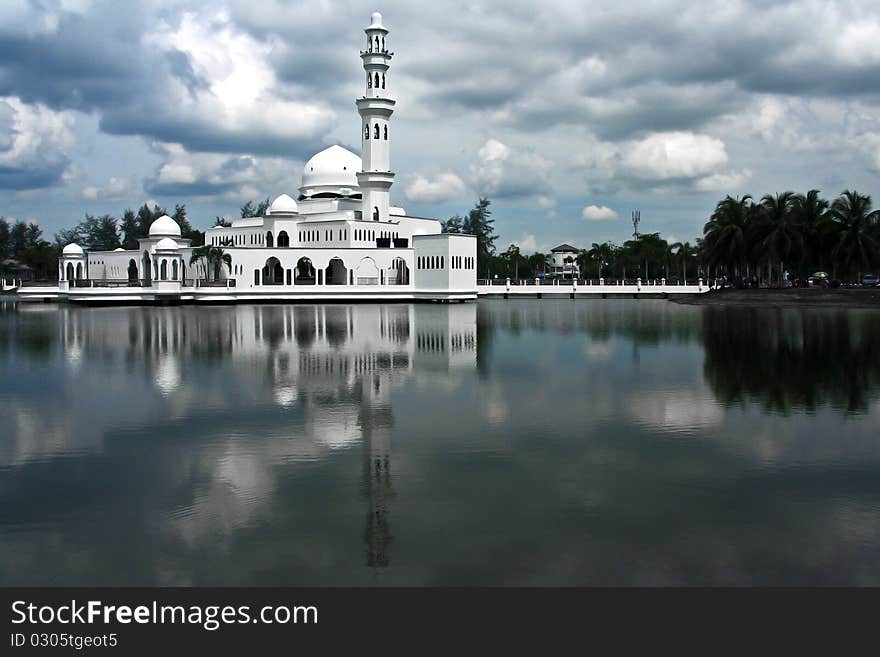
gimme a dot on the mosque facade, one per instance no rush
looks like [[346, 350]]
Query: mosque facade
[[341, 237]]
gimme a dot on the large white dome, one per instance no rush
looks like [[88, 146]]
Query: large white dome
[[282, 204], [72, 249], [164, 226], [333, 170]]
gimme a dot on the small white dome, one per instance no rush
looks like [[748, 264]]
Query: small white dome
[[375, 20], [282, 204], [118, 248], [164, 225], [72, 249], [330, 170], [166, 244]]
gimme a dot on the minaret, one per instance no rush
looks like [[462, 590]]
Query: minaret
[[375, 109]]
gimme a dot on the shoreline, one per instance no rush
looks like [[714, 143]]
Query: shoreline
[[787, 298]]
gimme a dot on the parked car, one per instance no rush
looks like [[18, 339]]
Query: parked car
[[870, 280], [818, 279]]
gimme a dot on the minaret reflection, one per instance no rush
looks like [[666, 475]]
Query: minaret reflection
[[330, 371]]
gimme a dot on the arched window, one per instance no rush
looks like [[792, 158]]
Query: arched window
[[383, 80], [377, 43], [376, 83], [375, 214], [367, 131], [369, 81], [163, 271], [376, 132], [283, 240], [269, 239], [174, 270], [383, 43], [70, 271], [386, 131]]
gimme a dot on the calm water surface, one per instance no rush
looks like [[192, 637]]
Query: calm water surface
[[503, 442]]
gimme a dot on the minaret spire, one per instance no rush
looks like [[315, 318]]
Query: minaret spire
[[375, 109]]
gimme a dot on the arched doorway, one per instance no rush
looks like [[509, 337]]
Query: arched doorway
[[69, 271], [336, 273], [399, 272], [148, 280], [269, 239], [367, 272], [132, 272], [79, 271], [283, 240], [273, 272], [304, 272]]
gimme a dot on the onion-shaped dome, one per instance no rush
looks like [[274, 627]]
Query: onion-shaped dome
[[72, 249], [282, 205], [332, 172], [164, 226], [376, 21], [166, 244]]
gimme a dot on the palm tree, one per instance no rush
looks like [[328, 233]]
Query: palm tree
[[812, 215], [725, 233], [601, 254], [780, 239], [683, 251], [856, 245], [211, 257]]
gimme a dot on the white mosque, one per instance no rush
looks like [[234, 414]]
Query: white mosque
[[340, 238]]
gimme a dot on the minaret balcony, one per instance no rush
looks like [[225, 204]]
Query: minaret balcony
[[375, 106]]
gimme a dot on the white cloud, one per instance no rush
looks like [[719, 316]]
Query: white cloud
[[447, 186], [230, 177], [33, 144], [527, 243], [505, 172], [598, 213], [673, 155], [116, 189], [732, 182]]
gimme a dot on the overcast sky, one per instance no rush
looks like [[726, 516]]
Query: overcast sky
[[568, 115]]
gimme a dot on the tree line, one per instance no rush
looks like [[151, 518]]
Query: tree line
[[766, 241]]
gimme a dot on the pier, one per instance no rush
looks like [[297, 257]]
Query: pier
[[588, 288]]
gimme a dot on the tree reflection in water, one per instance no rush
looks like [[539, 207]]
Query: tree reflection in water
[[792, 359]]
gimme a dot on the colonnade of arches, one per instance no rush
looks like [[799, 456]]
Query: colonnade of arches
[[366, 272]]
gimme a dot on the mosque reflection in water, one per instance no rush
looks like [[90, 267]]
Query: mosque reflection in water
[[338, 364]]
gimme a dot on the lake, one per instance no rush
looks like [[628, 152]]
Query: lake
[[520, 442]]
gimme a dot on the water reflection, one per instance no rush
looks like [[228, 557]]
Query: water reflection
[[504, 442], [793, 359], [189, 392]]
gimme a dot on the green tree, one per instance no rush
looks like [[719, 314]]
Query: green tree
[[779, 239], [99, 233], [129, 228], [480, 224], [211, 258], [725, 236], [5, 239], [812, 215], [856, 246], [454, 224]]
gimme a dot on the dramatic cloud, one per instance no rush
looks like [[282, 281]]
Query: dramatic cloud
[[447, 186], [544, 107], [197, 175], [673, 155], [598, 213], [506, 173], [33, 144]]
